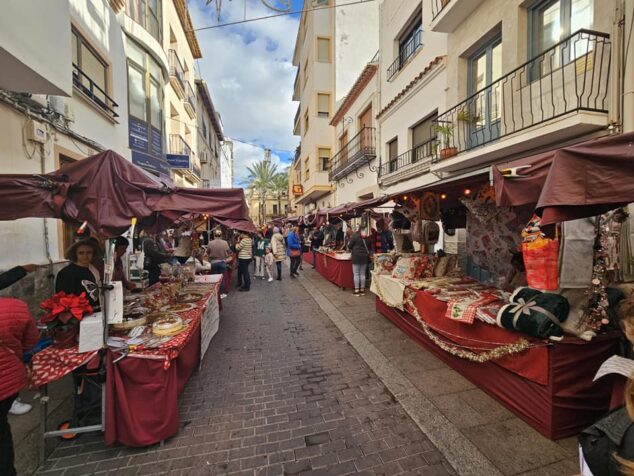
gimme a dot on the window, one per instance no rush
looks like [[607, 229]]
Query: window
[[324, 159], [392, 153], [423, 137], [146, 13], [551, 21], [275, 209], [306, 122], [323, 50], [483, 109], [306, 168], [323, 105], [145, 100], [554, 20], [90, 72], [408, 44]]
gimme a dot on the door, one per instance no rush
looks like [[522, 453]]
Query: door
[[343, 148], [365, 124]]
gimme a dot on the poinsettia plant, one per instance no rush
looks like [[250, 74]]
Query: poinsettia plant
[[65, 309]]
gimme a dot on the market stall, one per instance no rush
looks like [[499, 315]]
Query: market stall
[[514, 305], [170, 330], [336, 267]]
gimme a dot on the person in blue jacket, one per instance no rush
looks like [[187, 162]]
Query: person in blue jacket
[[294, 250]]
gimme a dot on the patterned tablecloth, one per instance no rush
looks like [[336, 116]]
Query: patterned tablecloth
[[52, 364]]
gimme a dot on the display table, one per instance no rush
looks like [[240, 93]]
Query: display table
[[335, 269], [142, 389], [548, 386], [308, 257]]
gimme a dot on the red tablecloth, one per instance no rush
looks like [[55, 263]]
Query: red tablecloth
[[337, 271], [142, 389], [308, 257], [566, 403]]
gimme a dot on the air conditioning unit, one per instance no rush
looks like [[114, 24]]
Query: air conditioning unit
[[203, 158], [58, 104]]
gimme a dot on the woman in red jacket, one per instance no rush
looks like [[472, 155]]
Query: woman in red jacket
[[18, 333]]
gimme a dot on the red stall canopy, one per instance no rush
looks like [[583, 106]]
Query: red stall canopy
[[583, 180], [106, 191]]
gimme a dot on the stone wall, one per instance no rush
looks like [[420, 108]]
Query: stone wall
[[35, 287]]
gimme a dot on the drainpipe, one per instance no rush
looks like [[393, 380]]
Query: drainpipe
[[628, 66]]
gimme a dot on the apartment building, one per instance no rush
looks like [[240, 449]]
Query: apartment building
[[226, 164], [525, 77], [210, 137], [63, 97], [412, 81], [353, 168], [332, 46], [179, 40], [263, 208]]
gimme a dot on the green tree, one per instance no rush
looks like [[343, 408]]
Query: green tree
[[280, 188], [261, 179]]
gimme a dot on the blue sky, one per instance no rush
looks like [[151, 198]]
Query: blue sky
[[250, 76]]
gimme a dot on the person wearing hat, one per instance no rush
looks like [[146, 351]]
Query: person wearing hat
[[80, 276], [219, 252]]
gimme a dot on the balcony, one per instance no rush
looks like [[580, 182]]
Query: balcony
[[405, 54], [414, 162], [177, 75], [297, 130], [178, 146], [448, 14], [559, 95], [190, 100], [94, 93], [357, 152], [296, 87]]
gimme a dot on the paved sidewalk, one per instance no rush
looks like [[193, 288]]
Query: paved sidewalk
[[281, 392], [476, 434]]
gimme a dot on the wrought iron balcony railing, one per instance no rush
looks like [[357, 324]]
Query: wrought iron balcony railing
[[177, 145], [571, 76], [190, 100], [405, 54], [358, 151], [97, 95], [177, 74], [438, 6], [421, 154]]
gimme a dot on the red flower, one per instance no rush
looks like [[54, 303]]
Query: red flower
[[62, 308]]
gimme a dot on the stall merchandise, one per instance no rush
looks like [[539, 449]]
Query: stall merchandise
[[146, 372]]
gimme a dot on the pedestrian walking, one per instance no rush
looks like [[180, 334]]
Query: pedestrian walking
[[269, 261], [261, 244], [245, 254], [279, 251], [219, 255], [294, 250], [316, 242], [18, 334], [359, 246]]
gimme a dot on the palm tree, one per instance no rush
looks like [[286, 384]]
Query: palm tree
[[280, 188], [261, 176]]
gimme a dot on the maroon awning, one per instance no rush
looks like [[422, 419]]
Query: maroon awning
[[583, 180], [107, 191]]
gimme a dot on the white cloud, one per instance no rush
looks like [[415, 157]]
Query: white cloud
[[245, 155], [249, 72]]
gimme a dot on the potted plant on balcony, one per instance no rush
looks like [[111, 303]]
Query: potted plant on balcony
[[446, 133]]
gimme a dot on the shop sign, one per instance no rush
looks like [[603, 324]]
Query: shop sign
[[149, 163], [178, 161], [138, 134], [298, 190]]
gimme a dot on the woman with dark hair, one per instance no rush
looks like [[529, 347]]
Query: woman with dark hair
[[80, 275], [120, 247]]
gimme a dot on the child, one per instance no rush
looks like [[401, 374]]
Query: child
[[269, 261]]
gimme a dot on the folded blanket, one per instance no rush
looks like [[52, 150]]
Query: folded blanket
[[535, 313]]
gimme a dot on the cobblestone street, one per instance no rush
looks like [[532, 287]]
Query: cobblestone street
[[281, 391]]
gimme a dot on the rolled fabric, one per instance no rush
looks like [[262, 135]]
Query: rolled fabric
[[535, 313]]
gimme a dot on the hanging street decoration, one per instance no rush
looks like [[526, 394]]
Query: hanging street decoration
[[279, 6]]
